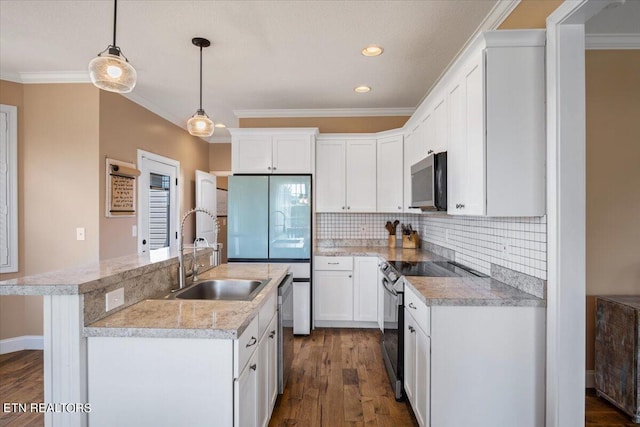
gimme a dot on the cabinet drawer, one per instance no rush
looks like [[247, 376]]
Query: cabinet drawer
[[418, 310], [267, 311], [342, 263], [245, 346]]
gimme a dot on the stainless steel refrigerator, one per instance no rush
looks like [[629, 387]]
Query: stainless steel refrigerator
[[269, 220]]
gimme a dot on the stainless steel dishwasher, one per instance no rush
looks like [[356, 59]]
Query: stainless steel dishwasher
[[285, 327]]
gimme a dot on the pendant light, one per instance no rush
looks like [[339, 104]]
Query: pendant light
[[111, 70], [200, 124]]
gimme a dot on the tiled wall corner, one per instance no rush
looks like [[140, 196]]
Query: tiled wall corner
[[519, 244]]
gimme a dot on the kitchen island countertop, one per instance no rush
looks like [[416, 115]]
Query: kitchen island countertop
[[175, 318]]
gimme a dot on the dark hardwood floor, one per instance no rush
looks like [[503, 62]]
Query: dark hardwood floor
[[21, 381], [337, 379]]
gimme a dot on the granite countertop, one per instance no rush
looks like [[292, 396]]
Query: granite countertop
[[450, 291], [88, 277], [193, 318]]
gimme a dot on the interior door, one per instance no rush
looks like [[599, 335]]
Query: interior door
[[158, 203], [206, 197]]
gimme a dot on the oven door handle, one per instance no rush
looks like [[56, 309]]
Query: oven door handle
[[388, 288]]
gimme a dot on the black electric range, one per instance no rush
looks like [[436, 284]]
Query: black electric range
[[434, 269]]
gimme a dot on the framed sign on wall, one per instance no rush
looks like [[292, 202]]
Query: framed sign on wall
[[121, 188]]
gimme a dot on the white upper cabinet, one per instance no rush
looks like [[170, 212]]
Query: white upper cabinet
[[496, 159], [330, 177], [273, 150], [345, 174], [437, 132], [412, 154], [390, 174]]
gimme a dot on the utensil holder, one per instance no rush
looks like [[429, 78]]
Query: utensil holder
[[410, 241]]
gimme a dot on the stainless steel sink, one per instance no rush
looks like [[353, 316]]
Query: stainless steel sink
[[223, 289]]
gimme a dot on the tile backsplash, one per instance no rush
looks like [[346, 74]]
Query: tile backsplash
[[518, 244]]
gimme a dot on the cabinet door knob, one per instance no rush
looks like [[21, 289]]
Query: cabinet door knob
[[399, 207], [348, 207], [343, 208], [350, 276], [412, 306], [461, 206], [274, 168], [253, 367]]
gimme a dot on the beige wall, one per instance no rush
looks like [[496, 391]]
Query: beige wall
[[530, 14], [58, 188], [613, 178], [220, 160], [125, 127], [329, 124]]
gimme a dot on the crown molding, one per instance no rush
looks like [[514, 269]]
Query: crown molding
[[323, 112], [612, 41], [55, 77], [10, 76], [496, 16], [220, 139]]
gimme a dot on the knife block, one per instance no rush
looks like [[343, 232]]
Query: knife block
[[392, 240], [410, 241]]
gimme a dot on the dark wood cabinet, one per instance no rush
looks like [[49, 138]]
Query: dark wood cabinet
[[618, 352]]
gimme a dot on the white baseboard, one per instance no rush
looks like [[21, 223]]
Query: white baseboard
[[25, 342], [590, 379], [344, 324]]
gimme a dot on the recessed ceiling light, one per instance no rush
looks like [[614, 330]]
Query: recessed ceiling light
[[362, 89], [220, 125], [372, 50]]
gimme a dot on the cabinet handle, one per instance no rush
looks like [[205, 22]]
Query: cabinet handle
[[333, 263], [461, 206], [348, 207], [411, 329], [272, 334], [274, 168], [412, 306], [252, 342], [254, 366], [269, 168], [430, 151]]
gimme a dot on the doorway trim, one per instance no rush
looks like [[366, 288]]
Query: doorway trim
[[160, 159], [566, 211]]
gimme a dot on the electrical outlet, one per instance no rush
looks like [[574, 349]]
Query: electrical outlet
[[114, 299], [364, 229], [80, 233], [506, 248]]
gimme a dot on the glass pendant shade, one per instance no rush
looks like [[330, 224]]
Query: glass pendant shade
[[111, 72], [200, 124]]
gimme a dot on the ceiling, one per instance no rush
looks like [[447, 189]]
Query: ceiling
[[264, 54], [616, 19]]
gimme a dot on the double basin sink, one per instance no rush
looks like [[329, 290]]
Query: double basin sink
[[222, 289]]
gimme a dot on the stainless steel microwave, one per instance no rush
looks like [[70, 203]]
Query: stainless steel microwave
[[429, 183]]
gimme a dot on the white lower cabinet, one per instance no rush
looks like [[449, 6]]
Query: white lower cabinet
[[245, 396], [198, 381], [474, 365], [417, 352], [346, 291], [267, 369]]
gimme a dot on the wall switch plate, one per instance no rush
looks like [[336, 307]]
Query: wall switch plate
[[80, 233], [114, 299]]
